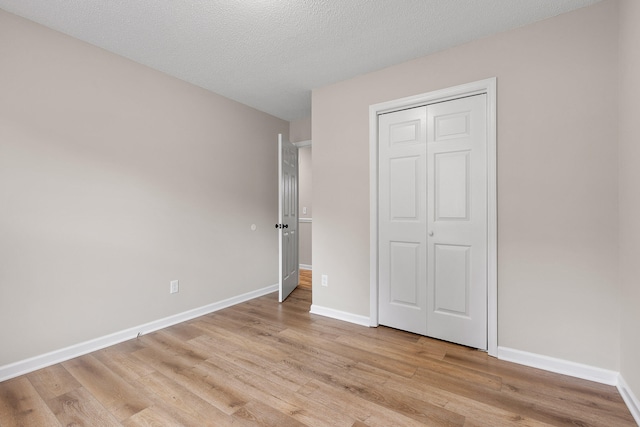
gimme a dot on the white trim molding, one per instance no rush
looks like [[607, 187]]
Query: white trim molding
[[559, 366], [42, 361], [629, 398], [487, 86], [305, 267], [340, 315], [301, 144]]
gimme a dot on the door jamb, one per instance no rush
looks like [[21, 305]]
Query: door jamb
[[487, 86]]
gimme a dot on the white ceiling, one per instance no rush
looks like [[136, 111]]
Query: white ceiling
[[269, 54]]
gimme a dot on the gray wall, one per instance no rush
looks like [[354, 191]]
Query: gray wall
[[114, 180], [300, 130], [629, 192], [305, 175], [558, 286]]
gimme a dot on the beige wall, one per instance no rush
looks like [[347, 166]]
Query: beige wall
[[300, 130], [629, 193], [305, 178], [114, 180], [557, 180], [305, 247]]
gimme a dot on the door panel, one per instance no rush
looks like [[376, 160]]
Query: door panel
[[287, 217], [451, 186], [457, 221], [403, 219], [405, 273], [403, 191], [451, 291], [451, 126]]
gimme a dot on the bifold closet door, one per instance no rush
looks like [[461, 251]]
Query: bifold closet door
[[432, 198]]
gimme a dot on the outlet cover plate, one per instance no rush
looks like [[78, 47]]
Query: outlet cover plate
[[174, 286]]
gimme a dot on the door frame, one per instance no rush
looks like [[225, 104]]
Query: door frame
[[487, 86]]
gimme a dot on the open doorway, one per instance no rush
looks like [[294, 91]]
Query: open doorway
[[305, 213], [300, 135]]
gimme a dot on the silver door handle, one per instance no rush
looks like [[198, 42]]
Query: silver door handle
[[431, 233]]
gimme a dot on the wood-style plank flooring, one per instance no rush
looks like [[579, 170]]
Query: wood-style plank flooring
[[304, 281], [270, 364]]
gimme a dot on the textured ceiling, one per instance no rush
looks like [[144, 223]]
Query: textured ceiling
[[269, 54]]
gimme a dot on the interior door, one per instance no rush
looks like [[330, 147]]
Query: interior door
[[457, 221], [432, 198], [402, 183], [287, 217]]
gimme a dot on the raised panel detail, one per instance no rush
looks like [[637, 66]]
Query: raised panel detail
[[452, 186], [293, 195], [403, 189], [290, 156], [293, 250], [289, 242], [404, 273], [404, 132], [452, 126], [286, 246], [286, 182], [452, 279]]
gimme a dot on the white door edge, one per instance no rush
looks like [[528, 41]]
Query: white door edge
[[487, 86]]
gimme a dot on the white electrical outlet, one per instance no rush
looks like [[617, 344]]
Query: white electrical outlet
[[174, 287], [325, 280]]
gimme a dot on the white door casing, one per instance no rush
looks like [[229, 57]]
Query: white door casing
[[453, 253], [287, 217]]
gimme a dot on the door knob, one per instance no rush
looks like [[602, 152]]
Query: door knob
[[431, 233]]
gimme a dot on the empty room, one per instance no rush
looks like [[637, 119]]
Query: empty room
[[454, 187]]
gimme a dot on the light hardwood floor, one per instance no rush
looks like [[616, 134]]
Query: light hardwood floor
[[304, 282], [264, 363]]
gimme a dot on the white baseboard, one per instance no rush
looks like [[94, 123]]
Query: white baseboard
[[42, 361], [559, 366], [305, 267], [339, 315], [630, 399]]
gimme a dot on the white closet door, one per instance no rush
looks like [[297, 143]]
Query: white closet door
[[432, 195], [457, 221], [403, 220]]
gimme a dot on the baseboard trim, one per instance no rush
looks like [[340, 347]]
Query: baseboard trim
[[305, 267], [560, 366], [339, 315], [629, 398], [42, 361]]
